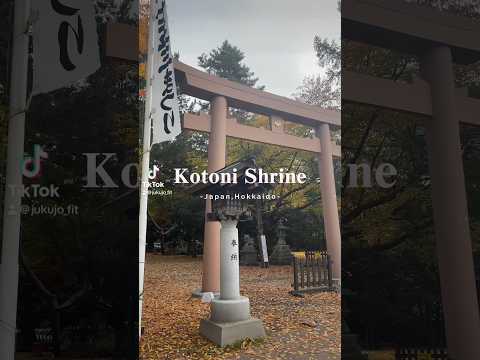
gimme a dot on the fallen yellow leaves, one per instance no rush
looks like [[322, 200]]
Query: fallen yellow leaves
[[297, 328]]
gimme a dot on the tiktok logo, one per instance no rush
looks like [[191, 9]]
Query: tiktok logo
[[32, 165]]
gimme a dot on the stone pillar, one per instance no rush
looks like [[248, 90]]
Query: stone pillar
[[229, 261], [230, 319], [329, 201], [216, 161], [454, 247]]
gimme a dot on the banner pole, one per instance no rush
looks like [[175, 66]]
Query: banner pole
[[145, 168], [13, 194]]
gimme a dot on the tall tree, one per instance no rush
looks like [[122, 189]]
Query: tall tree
[[226, 62], [324, 90]]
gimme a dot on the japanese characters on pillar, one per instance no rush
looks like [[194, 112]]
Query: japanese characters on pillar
[[229, 203], [234, 256]]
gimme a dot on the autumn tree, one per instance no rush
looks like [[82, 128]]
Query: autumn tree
[[324, 90]]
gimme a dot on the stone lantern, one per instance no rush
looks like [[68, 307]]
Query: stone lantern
[[248, 253], [281, 255], [230, 319]]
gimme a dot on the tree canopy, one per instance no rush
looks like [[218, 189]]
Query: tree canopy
[[226, 61]]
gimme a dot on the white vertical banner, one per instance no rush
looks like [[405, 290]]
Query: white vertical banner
[[164, 110], [65, 43], [161, 113]]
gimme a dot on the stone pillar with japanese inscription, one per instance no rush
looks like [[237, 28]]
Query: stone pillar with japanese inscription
[[229, 261], [230, 319]]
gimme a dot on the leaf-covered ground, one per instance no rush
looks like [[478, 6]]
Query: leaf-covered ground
[[297, 328]]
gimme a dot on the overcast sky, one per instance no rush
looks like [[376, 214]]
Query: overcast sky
[[275, 35]]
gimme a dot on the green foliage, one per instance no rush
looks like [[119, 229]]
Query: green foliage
[[226, 62], [328, 54]]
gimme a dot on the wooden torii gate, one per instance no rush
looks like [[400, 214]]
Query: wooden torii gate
[[439, 40], [224, 93], [221, 93]]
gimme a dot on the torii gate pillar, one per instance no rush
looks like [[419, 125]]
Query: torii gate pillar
[[216, 161], [454, 246], [329, 201]]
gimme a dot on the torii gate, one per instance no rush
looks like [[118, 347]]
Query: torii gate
[[222, 93], [438, 39]]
